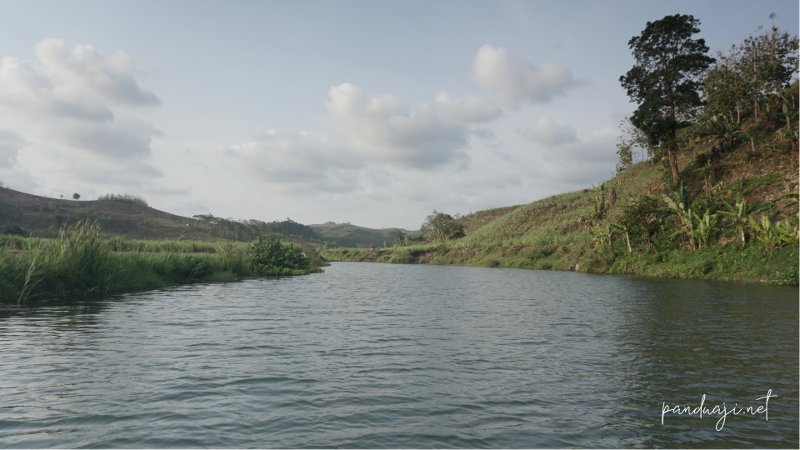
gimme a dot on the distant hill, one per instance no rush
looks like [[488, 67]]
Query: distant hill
[[32, 215], [347, 235], [27, 214]]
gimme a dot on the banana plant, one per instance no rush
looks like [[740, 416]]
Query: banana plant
[[602, 235], [685, 218], [623, 230], [738, 214], [775, 234], [704, 227]]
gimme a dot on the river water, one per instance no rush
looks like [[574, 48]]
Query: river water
[[373, 355]]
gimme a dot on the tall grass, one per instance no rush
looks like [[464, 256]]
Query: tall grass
[[82, 264]]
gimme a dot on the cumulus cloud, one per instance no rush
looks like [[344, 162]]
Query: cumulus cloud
[[75, 105], [371, 131], [111, 77], [546, 131], [515, 80], [383, 128]]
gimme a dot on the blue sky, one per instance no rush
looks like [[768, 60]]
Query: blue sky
[[369, 112]]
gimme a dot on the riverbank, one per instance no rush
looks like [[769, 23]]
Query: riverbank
[[751, 264], [81, 263]]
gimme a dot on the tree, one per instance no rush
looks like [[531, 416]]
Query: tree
[[665, 81], [630, 139], [442, 227], [752, 79], [400, 238], [76, 196], [769, 61]]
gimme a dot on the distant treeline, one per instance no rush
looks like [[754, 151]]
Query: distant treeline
[[250, 229]]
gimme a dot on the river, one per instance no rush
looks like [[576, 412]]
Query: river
[[376, 355]]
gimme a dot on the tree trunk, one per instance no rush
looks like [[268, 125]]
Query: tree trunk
[[672, 154]]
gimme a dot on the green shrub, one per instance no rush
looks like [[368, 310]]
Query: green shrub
[[270, 257]]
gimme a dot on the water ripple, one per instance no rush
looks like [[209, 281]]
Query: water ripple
[[377, 356]]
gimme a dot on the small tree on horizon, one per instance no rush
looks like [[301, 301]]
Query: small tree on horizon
[[76, 196]]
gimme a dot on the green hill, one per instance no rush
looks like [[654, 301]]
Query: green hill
[[347, 235], [129, 217]]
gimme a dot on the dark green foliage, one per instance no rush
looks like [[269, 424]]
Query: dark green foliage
[[665, 81], [292, 228], [647, 221], [270, 257]]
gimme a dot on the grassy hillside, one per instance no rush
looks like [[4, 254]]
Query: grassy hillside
[[585, 230], [347, 235], [32, 215]]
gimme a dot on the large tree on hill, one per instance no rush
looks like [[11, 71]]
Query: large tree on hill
[[665, 81]]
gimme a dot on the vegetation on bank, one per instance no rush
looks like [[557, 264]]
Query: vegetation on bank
[[716, 199], [81, 263]]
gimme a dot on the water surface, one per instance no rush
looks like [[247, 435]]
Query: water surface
[[372, 355]]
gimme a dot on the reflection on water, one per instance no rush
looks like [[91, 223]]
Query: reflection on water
[[369, 355]]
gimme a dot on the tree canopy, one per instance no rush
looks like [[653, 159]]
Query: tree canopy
[[665, 81], [442, 227]]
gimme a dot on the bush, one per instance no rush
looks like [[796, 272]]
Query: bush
[[647, 222], [270, 257]]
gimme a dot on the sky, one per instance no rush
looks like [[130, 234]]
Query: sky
[[369, 112]]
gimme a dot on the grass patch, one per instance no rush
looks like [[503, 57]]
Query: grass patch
[[82, 264]]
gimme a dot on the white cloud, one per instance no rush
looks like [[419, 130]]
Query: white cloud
[[515, 80], [74, 106], [384, 129], [546, 131], [373, 135], [84, 67]]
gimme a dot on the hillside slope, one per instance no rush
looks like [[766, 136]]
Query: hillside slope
[[27, 214], [585, 230]]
